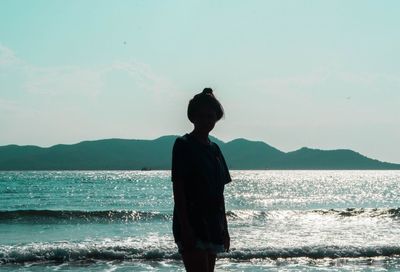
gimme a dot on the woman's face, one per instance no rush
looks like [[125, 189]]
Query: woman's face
[[205, 119]]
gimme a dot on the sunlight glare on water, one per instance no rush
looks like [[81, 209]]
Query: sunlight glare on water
[[271, 190]]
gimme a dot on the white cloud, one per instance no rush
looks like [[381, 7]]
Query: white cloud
[[373, 82], [7, 56], [75, 102], [145, 77], [56, 81], [89, 82], [289, 85], [330, 86], [9, 106]]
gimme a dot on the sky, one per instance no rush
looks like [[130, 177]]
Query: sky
[[320, 74]]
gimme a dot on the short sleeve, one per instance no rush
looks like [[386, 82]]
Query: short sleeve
[[180, 160], [225, 169]]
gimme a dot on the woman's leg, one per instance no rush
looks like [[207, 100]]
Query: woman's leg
[[196, 260], [211, 261]]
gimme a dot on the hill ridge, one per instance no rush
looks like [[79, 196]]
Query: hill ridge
[[136, 154]]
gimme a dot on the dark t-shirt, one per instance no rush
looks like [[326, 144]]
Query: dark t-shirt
[[204, 171]]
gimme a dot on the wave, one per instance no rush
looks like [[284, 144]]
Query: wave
[[371, 212], [40, 216], [316, 252], [62, 216], [85, 251], [348, 212]]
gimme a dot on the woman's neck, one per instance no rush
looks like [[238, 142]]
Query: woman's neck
[[200, 136]]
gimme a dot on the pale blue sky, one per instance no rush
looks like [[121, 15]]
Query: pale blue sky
[[322, 74]]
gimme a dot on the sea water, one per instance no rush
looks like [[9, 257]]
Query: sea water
[[121, 221]]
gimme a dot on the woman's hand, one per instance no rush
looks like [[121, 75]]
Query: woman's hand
[[227, 242]]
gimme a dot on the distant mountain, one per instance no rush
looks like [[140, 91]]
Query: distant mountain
[[306, 158], [124, 154], [245, 154]]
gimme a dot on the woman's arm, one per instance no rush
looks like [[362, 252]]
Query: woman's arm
[[188, 238], [227, 238]]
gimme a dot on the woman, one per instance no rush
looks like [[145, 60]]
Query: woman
[[199, 173]]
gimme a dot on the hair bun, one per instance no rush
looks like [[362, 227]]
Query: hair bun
[[207, 91]]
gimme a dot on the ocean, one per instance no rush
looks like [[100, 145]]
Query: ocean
[[121, 221]]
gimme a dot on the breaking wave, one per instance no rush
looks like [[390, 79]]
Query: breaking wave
[[89, 251]]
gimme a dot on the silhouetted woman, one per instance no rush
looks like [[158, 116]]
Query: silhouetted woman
[[199, 174]]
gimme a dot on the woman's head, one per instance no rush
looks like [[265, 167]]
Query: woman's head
[[204, 110]]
